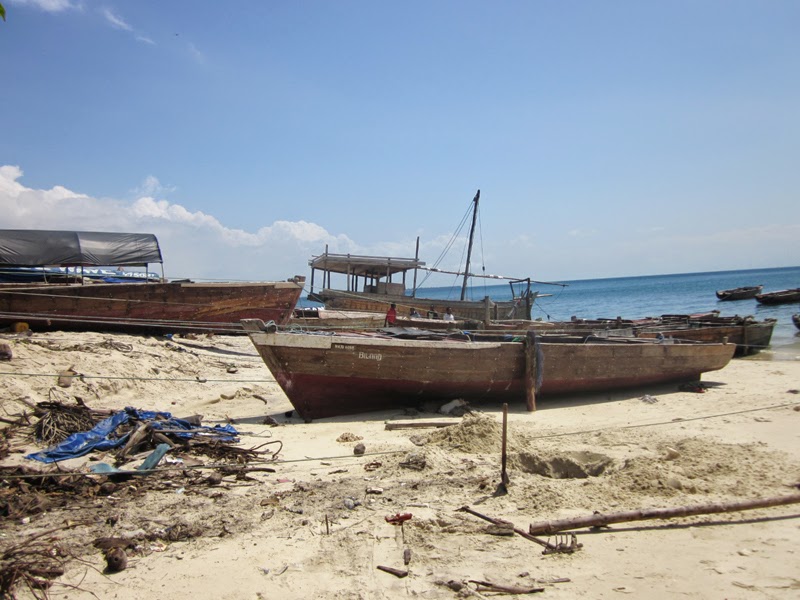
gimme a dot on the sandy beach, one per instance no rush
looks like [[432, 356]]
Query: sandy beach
[[319, 526]]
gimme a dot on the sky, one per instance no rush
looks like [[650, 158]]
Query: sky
[[608, 139]]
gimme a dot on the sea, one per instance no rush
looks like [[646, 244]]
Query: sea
[[655, 295]]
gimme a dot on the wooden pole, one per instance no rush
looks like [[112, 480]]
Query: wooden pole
[[416, 261], [475, 201], [530, 370], [598, 520], [502, 488], [504, 460]]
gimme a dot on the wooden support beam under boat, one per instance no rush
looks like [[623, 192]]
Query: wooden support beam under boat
[[530, 370]]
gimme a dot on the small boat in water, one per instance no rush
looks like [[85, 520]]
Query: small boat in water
[[779, 297], [325, 374], [740, 293]]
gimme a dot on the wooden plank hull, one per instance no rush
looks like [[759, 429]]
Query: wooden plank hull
[[741, 293], [336, 319], [779, 297], [749, 337], [462, 309], [173, 306], [329, 375]]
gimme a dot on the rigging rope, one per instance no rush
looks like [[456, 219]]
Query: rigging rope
[[450, 243]]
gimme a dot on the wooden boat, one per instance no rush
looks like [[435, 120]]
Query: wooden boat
[[322, 318], [749, 335], [178, 306], [779, 297], [796, 320], [740, 293], [175, 306], [372, 285], [329, 374]]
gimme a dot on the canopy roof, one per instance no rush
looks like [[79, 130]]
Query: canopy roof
[[371, 266], [37, 248]]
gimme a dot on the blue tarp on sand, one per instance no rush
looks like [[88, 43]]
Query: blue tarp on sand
[[102, 437]]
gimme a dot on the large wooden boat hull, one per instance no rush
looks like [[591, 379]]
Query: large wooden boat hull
[[463, 310], [779, 297], [740, 293], [326, 375], [174, 306]]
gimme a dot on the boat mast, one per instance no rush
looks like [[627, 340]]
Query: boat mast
[[469, 248]]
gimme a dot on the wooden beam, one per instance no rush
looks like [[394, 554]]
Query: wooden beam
[[530, 370]]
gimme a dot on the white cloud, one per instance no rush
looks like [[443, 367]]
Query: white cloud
[[196, 54], [151, 186], [194, 244], [116, 21], [52, 6], [201, 246], [582, 232]]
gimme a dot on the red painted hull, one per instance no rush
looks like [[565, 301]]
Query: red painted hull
[[329, 375]]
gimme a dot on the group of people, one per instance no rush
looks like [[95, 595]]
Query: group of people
[[391, 315]]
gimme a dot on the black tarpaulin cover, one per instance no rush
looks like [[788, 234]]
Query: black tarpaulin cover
[[36, 248]]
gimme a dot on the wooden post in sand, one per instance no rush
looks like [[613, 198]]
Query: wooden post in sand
[[530, 370], [504, 461]]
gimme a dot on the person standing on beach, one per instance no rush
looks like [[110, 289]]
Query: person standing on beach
[[391, 316]]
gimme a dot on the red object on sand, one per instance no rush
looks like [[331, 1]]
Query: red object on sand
[[398, 518]]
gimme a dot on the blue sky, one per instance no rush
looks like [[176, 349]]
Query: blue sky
[[608, 138]]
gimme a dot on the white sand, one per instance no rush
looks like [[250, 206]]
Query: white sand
[[266, 537]]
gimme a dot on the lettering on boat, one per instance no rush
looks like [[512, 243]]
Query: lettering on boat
[[361, 355]]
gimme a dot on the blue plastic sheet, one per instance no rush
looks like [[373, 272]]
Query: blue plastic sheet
[[103, 437]]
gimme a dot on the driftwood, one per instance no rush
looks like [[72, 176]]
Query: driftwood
[[419, 424], [393, 571], [549, 548], [599, 520], [136, 438], [486, 586]]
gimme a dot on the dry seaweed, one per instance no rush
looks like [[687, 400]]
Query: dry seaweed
[[25, 491], [33, 564]]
